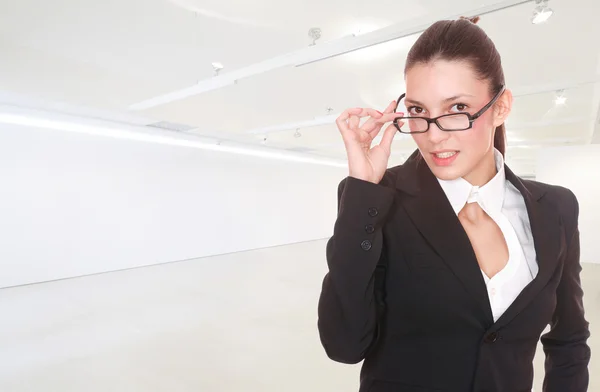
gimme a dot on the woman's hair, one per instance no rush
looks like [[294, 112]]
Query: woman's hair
[[462, 40]]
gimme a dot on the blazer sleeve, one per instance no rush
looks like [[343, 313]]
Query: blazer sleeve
[[565, 346], [346, 309]]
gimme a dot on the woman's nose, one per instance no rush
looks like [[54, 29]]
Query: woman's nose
[[436, 135]]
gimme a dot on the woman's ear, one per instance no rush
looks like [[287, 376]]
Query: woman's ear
[[502, 107]]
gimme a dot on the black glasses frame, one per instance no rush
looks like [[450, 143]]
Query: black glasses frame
[[471, 117]]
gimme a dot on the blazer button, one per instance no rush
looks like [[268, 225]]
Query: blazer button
[[492, 337], [373, 212], [370, 229], [366, 245]]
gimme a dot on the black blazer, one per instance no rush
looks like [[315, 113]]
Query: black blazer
[[438, 332]]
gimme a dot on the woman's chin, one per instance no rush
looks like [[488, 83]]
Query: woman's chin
[[446, 173]]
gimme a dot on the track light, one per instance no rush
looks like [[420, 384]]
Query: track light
[[217, 67], [542, 12], [314, 34]]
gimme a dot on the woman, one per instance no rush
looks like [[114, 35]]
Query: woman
[[445, 271]]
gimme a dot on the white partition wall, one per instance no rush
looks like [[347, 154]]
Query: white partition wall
[[577, 168], [73, 204]]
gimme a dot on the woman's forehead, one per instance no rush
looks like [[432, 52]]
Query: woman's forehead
[[443, 80]]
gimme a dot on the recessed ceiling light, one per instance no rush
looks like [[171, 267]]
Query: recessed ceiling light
[[542, 12]]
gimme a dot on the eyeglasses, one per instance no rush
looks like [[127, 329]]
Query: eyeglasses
[[447, 122]]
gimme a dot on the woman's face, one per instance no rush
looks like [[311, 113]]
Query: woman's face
[[444, 87]]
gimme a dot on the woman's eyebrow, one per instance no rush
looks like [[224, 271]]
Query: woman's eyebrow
[[450, 99], [454, 98], [413, 101]]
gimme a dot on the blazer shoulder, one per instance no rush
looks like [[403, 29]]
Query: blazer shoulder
[[556, 192], [563, 198]]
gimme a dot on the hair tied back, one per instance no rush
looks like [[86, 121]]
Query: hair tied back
[[473, 19]]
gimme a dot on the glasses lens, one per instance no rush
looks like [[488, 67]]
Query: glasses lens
[[414, 125], [455, 122]]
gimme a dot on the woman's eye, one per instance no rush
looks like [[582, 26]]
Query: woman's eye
[[415, 110], [460, 107]]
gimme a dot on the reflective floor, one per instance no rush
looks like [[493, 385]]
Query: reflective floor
[[242, 322]]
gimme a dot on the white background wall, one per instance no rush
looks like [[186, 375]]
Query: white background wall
[[73, 204], [577, 168]]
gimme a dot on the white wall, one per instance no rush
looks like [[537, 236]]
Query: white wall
[[73, 204], [577, 168]]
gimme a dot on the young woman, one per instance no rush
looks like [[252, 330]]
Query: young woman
[[445, 271]]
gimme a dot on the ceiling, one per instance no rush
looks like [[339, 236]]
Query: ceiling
[[98, 58]]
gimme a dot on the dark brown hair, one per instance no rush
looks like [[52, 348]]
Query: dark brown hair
[[462, 40]]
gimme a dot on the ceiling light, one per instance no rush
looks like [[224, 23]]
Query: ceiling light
[[542, 12], [217, 67], [144, 135], [314, 33], [560, 98]]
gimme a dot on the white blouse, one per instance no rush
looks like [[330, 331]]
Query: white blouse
[[506, 206]]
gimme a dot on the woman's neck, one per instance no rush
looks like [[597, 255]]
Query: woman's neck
[[484, 171]]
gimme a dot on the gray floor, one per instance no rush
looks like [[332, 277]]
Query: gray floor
[[235, 323]]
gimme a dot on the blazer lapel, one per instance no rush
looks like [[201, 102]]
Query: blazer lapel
[[549, 242], [431, 212]]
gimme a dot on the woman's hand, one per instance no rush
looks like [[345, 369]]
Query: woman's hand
[[365, 162]]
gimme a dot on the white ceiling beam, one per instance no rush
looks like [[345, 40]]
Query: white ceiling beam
[[522, 91], [321, 51], [523, 126], [538, 143], [324, 120]]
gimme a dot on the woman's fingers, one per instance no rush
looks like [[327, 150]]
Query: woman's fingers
[[389, 117], [374, 125], [391, 107], [349, 120], [342, 120], [371, 124], [388, 136], [354, 122]]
